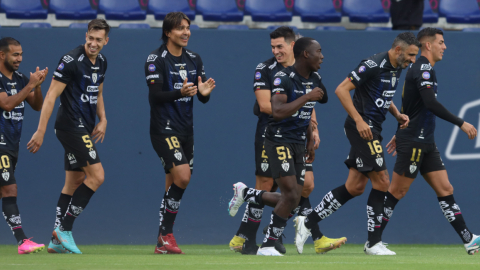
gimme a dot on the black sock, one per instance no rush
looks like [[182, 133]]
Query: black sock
[[305, 209], [252, 195], [173, 197], [275, 230], [250, 222], [453, 214], [79, 201], [332, 201], [62, 206], [375, 214], [160, 214], [297, 209], [388, 207], [12, 216]]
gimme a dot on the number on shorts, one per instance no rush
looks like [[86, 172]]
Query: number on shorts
[[172, 142], [413, 154], [88, 142], [376, 147], [264, 155], [281, 153], [5, 162]]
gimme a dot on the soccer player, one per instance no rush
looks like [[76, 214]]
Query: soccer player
[[15, 89], [174, 76], [78, 80], [295, 91], [415, 144], [375, 81], [282, 41]]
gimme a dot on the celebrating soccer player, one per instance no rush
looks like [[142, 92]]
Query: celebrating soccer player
[[15, 89], [415, 144], [282, 42], [78, 80], [375, 81], [174, 76]]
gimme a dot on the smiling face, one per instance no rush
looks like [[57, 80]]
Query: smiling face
[[95, 40], [315, 56], [282, 50], [179, 35], [12, 58], [438, 47], [407, 56]]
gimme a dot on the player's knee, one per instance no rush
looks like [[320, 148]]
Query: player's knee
[[182, 182], [97, 179], [355, 190], [399, 193], [448, 190], [9, 191]]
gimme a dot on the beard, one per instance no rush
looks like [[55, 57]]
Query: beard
[[401, 61], [9, 66]]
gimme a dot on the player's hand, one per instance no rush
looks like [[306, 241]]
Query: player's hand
[[392, 146], [35, 78], [206, 87], [99, 131], [35, 142], [364, 130], [316, 140], [44, 76], [188, 89], [316, 94], [469, 129], [310, 155], [403, 119]]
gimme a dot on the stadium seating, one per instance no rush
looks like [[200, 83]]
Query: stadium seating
[[364, 11], [316, 11], [428, 15], [267, 10], [160, 8], [273, 27], [466, 12], [233, 27], [330, 28], [72, 10], [122, 10], [24, 9], [78, 25], [134, 26], [35, 25], [219, 10], [471, 29], [375, 28]]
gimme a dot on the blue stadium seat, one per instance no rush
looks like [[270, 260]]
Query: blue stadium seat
[[331, 28], [24, 9], [35, 25], [72, 10], [219, 10], [273, 27], [375, 28], [160, 8], [364, 11], [134, 26], [78, 25], [316, 11], [233, 27], [267, 11], [122, 10], [466, 11], [471, 29], [428, 15]]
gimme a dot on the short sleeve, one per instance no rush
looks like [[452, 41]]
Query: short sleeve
[[262, 79], [363, 72], [423, 78], [154, 69], [65, 71], [280, 83]]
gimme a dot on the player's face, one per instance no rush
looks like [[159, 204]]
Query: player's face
[[179, 35], [407, 56], [281, 49], [315, 56], [438, 47], [95, 40], [13, 57]]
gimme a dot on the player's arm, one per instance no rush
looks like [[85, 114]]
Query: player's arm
[[281, 109], [205, 86], [8, 103], [325, 95], [403, 119], [157, 95], [35, 98], [310, 155], [56, 88], [315, 135], [263, 98], [100, 129]]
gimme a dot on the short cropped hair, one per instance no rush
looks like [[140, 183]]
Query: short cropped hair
[[283, 31], [428, 32], [406, 39], [6, 42], [172, 20], [301, 45], [99, 24]]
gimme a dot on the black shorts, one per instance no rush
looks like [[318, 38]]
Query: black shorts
[[286, 159], [79, 149], [262, 167], [8, 162], [365, 156], [173, 149], [416, 156]]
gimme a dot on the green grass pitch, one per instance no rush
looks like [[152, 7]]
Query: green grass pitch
[[452, 257]]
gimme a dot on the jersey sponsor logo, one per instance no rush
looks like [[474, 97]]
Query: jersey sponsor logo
[[153, 76], [21, 105], [280, 73], [426, 67], [80, 59], [388, 93], [383, 103], [258, 75], [426, 75], [258, 84], [355, 75], [362, 69], [92, 99], [151, 68], [277, 81], [92, 88], [185, 99], [94, 77], [61, 66], [67, 59], [292, 74], [57, 74], [426, 83], [178, 86], [465, 149], [370, 63], [385, 81], [261, 66], [95, 68], [152, 58], [17, 116]]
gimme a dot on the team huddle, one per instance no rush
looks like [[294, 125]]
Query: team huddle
[[287, 88]]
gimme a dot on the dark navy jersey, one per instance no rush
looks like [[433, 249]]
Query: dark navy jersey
[[375, 81], [11, 122], [264, 74], [419, 77], [78, 102], [293, 129], [162, 67]]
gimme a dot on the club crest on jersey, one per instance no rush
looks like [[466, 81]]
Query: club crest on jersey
[[94, 77], [361, 69], [92, 153], [5, 175], [257, 213], [285, 165], [277, 81], [151, 68], [61, 66], [413, 167], [426, 75], [394, 80], [183, 74], [264, 166], [379, 161], [178, 155]]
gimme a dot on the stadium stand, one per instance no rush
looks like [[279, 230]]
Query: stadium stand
[[35, 25], [428, 15], [233, 27], [365, 11], [267, 11], [72, 10], [78, 25], [376, 28], [471, 29], [122, 10], [219, 10], [160, 8], [330, 28], [466, 12], [134, 26], [316, 11], [24, 9], [273, 27]]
